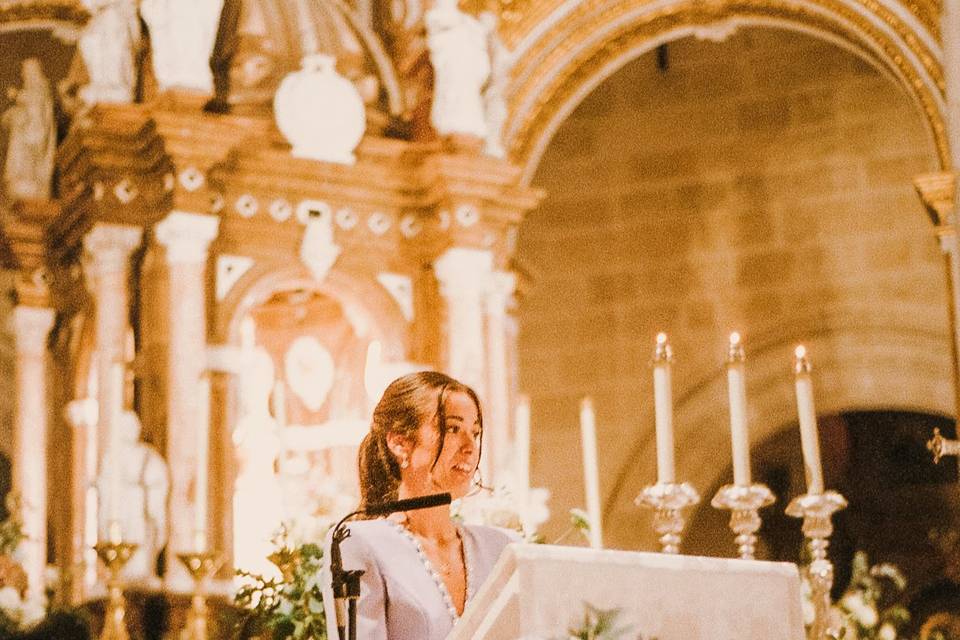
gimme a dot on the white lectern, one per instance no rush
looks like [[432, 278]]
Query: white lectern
[[539, 591]]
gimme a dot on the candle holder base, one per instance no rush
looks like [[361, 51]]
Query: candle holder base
[[114, 556], [817, 511], [201, 565], [668, 500], [744, 503]]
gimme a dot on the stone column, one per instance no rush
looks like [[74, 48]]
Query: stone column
[[464, 275], [108, 248], [82, 416], [938, 193], [31, 326], [950, 28], [498, 414], [186, 238], [942, 187]]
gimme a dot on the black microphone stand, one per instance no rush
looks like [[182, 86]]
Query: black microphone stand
[[346, 584]]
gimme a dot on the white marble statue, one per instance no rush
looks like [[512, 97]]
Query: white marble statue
[[31, 136], [258, 500], [461, 66], [494, 94], [144, 485], [109, 45], [182, 35]]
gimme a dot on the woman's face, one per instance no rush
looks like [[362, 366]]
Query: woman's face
[[459, 457]]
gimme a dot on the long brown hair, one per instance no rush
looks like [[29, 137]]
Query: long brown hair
[[406, 404]]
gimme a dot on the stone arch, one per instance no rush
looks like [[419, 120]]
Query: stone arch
[[561, 63], [365, 301], [64, 18]]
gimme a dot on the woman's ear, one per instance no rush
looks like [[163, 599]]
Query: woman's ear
[[399, 446]]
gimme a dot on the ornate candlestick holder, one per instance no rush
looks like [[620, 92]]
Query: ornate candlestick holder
[[201, 565], [668, 500], [115, 555], [817, 511], [942, 447], [744, 504]]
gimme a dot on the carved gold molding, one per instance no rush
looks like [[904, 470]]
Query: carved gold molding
[[524, 15], [570, 72]]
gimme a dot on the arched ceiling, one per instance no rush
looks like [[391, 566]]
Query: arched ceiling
[[563, 49]]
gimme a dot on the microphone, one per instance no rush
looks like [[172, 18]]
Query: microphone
[[409, 504], [346, 584]]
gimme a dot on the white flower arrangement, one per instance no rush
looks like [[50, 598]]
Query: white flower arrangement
[[505, 507], [21, 613], [870, 608]]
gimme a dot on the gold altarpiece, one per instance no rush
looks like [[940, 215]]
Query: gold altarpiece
[[399, 217], [392, 215]]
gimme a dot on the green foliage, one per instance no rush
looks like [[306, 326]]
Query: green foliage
[[600, 624], [11, 528], [872, 607], [62, 624], [291, 607], [8, 627], [579, 522]]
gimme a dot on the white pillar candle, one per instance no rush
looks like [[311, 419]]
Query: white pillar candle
[[203, 464], [521, 445], [809, 435], [591, 475], [737, 389], [248, 335], [113, 443], [663, 410], [114, 533], [496, 298]]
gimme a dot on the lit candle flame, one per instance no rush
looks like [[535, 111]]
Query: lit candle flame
[[735, 351], [662, 352], [200, 541], [114, 534], [801, 364]]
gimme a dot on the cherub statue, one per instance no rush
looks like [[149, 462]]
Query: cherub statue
[[109, 45], [494, 93], [461, 66], [182, 35], [257, 512]]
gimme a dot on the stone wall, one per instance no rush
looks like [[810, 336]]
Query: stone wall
[[762, 184]]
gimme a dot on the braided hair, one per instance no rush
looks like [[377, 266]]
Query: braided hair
[[407, 403]]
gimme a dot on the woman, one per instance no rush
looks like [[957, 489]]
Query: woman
[[420, 567]]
